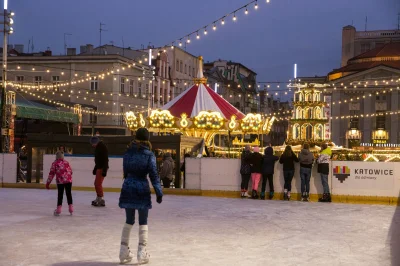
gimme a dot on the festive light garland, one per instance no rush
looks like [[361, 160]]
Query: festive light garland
[[209, 120]]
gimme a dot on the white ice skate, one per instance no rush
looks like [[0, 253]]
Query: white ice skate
[[125, 255], [143, 256]]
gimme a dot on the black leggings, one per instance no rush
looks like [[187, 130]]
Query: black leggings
[[245, 182], [60, 188], [270, 178]]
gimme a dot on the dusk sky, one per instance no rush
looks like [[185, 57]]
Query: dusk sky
[[269, 40]]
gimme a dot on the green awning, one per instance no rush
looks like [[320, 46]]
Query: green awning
[[33, 112]]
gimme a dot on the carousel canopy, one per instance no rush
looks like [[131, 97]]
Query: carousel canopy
[[201, 98]]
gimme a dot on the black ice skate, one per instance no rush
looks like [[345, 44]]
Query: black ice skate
[[99, 203]]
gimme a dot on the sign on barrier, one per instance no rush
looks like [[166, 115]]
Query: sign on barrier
[[363, 178]]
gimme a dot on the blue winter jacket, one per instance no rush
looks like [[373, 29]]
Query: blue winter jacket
[[139, 162]]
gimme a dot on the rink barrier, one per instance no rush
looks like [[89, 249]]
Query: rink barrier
[[213, 177], [394, 201]]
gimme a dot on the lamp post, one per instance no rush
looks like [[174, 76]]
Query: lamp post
[[5, 123]]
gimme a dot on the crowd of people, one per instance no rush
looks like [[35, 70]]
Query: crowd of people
[[254, 165]]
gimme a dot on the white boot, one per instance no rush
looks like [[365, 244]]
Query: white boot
[[247, 194], [142, 255], [125, 254]]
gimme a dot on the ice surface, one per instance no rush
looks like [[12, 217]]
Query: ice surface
[[197, 231]]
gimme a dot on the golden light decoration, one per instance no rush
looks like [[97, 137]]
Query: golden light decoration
[[184, 122], [268, 124], [142, 122], [161, 119], [209, 120], [232, 124], [252, 122], [131, 120]]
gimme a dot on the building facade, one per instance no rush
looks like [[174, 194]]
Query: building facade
[[365, 98], [175, 70], [357, 42], [235, 82], [105, 85]]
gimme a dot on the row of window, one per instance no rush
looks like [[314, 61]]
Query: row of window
[[186, 70], [128, 86]]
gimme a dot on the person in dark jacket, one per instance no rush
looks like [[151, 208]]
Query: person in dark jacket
[[268, 167], [100, 169], [167, 170], [183, 169], [245, 171], [138, 162], [306, 159], [288, 158], [256, 160]]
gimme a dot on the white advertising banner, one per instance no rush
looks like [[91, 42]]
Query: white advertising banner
[[364, 178], [328, 114]]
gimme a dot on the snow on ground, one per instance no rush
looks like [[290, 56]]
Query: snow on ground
[[195, 231]]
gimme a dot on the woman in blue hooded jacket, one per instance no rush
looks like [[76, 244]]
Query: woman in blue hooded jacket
[[268, 167], [138, 162]]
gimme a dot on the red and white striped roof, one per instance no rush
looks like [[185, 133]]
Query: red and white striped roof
[[201, 98]]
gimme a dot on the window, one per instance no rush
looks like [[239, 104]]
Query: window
[[354, 122], [140, 88], [185, 69], [38, 80], [122, 85], [365, 47], [131, 82], [94, 84], [194, 73], [181, 68], [177, 65], [20, 78], [93, 118], [380, 122], [121, 117], [190, 72], [147, 91]]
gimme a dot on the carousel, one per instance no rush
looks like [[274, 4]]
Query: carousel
[[202, 113]]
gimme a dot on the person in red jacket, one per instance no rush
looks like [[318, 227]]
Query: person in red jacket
[[100, 169], [63, 172]]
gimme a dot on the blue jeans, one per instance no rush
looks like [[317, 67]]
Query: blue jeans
[[130, 216], [305, 176], [325, 184], [288, 175]]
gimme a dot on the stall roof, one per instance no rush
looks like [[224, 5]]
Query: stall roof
[[34, 110]]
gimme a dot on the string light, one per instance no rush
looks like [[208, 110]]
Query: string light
[[256, 6], [234, 17], [214, 27], [205, 31], [246, 12], [223, 22]]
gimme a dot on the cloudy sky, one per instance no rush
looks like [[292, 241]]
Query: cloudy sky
[[269, 40]]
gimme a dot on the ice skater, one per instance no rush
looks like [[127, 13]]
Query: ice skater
[[256, 160], [100, 169], [167, 170], [288, 158], [138, 162], [63, 172]]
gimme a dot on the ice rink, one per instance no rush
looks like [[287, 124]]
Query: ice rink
[[197, 231]]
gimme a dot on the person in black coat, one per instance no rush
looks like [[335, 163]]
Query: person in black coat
[[288, 158], [268, 167], [100, 169], [245, 171]]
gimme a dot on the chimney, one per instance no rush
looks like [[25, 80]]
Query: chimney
[[86, 49], [89, 48], [19, 48], [71, 51]]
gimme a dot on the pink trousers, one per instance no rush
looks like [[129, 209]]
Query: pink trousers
[[255, 180]]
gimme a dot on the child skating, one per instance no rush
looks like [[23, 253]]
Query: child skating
[[63, 172]]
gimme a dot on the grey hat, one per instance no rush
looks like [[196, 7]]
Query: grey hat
[[59, 155], [94, 140]]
